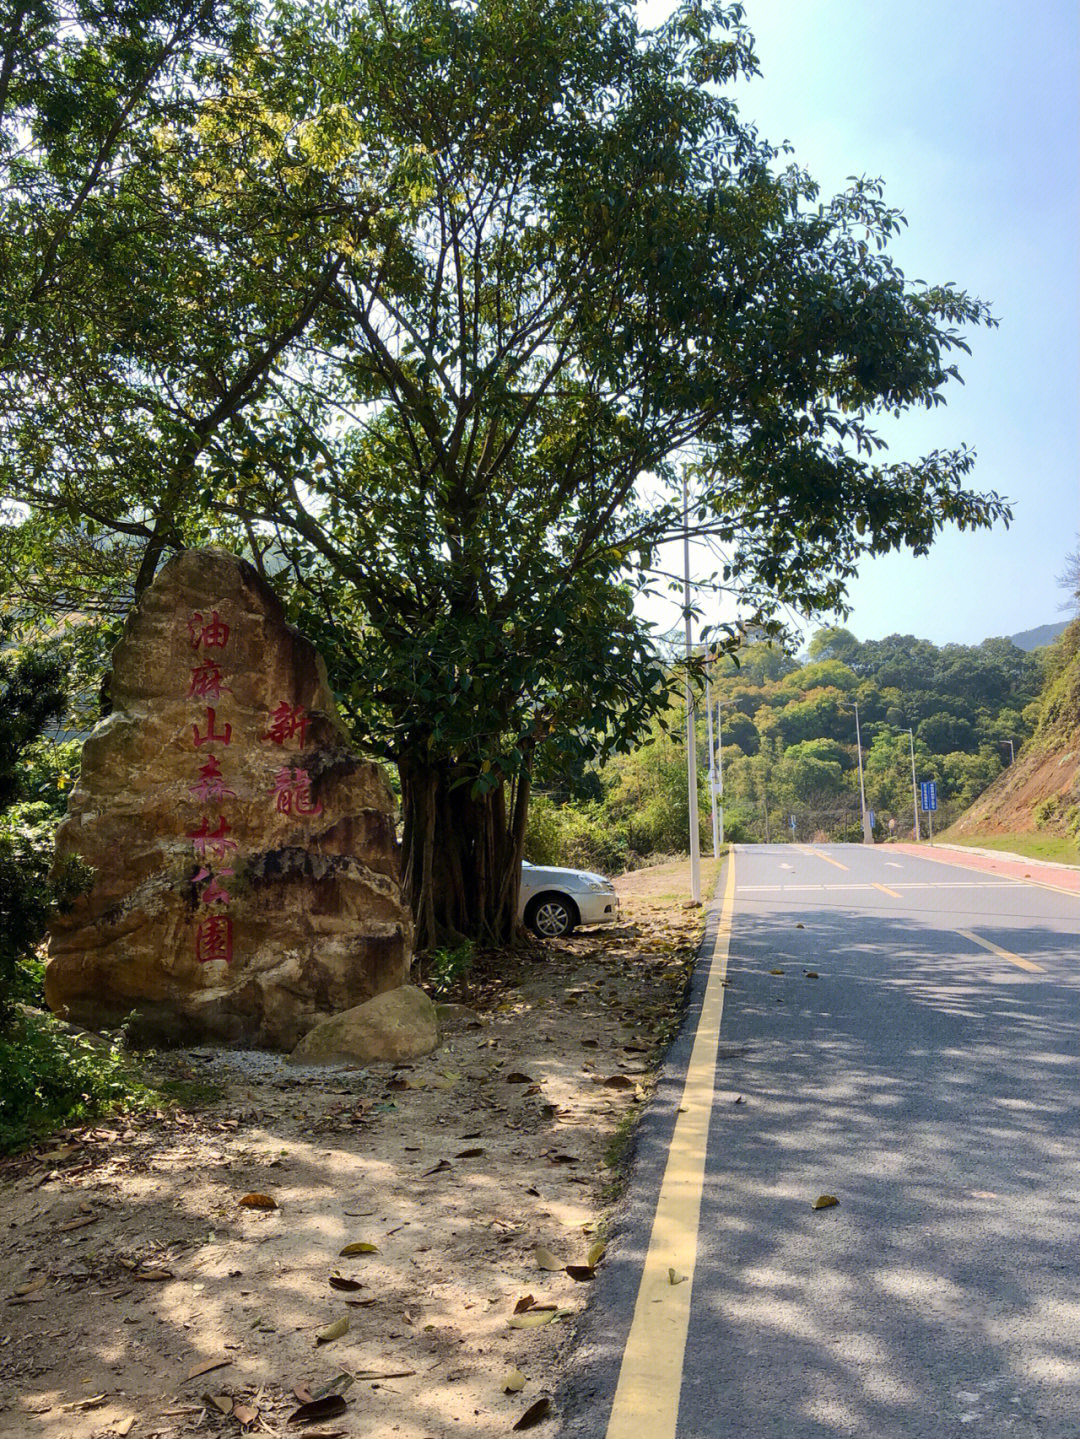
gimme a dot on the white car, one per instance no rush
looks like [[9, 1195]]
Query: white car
[[554, 902]]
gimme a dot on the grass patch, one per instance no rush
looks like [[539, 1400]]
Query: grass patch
[[1051, 847], [618, 1155]]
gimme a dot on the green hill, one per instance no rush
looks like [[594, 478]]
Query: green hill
[[1034, 806]]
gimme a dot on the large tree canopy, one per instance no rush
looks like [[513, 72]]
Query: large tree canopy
[[437, 303]]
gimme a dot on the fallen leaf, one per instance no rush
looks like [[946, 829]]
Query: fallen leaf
[[533, 1319], [361, 1246], [546, 1260], [800, 926], [514, 1382], [581, 1272], [776, 971], [442, 1165], [258, 1201], [341, 1383], [150, 1275], [563, 1159], [333, 1331], [525, 1302], [318, 1409], [34, 1285], [596, 1253], [811, 973], [244, 1414], [221, 1402], [825, 1201], [535, 1414], [125, 1426], [674, 1277], [338, 1281], [92, 1401], [516, 1077], [618, 1081], [469, 1154], [361, 1303], [206, 1366], [76, 1224]]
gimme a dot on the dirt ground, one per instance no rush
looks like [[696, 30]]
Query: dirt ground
[[142, 1296]]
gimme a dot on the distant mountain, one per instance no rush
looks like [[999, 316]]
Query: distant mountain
[[1041, 635]]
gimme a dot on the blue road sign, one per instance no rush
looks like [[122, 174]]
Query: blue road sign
[[873, 819], [928, 795]]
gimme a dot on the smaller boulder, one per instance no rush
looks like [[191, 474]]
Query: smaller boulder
[[398, 1025]]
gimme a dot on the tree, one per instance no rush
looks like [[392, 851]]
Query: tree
[[1069, 580], [544, 268], [833, 643]]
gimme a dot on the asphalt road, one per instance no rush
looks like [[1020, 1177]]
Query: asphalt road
[[929, 1079]]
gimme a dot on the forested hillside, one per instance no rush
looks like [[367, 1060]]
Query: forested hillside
[[1036, 805], [789, 748]]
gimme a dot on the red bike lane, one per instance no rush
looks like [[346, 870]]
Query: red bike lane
[[1054, 876]]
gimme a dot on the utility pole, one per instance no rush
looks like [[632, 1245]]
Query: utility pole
[[720, 762], [914, 786], [712, 767], [691, 741], [867, 833]]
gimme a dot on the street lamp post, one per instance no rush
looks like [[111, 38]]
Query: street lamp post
[[716, 767], [720, 762], [867, 832], [914, 786], [712, 767], [691, 742]]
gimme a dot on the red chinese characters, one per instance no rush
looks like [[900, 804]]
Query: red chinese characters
[[214, 939], [292, 792], [211, 785], [211, 841], [208, 634], [207, 841], [287, 722], [211, 737], [206, 681]]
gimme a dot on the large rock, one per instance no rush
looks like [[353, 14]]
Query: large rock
[[246, 864], [396, 1026]]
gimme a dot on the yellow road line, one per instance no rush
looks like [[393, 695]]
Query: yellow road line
[[886, 890], [650, 1379], [820, 854], [1018, 960]]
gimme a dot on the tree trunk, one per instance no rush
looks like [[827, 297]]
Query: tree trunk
[[461, 855]]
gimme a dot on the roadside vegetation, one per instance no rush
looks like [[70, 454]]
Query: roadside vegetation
[[49, 1074], [789, 749]]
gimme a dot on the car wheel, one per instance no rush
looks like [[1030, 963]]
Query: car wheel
[[551, 916]]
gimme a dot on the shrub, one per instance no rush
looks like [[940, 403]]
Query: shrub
[[49, 1077], [28, 894]]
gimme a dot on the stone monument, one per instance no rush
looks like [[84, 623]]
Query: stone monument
[[246, 881]]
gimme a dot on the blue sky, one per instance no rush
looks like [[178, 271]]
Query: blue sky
[[968, 109]]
